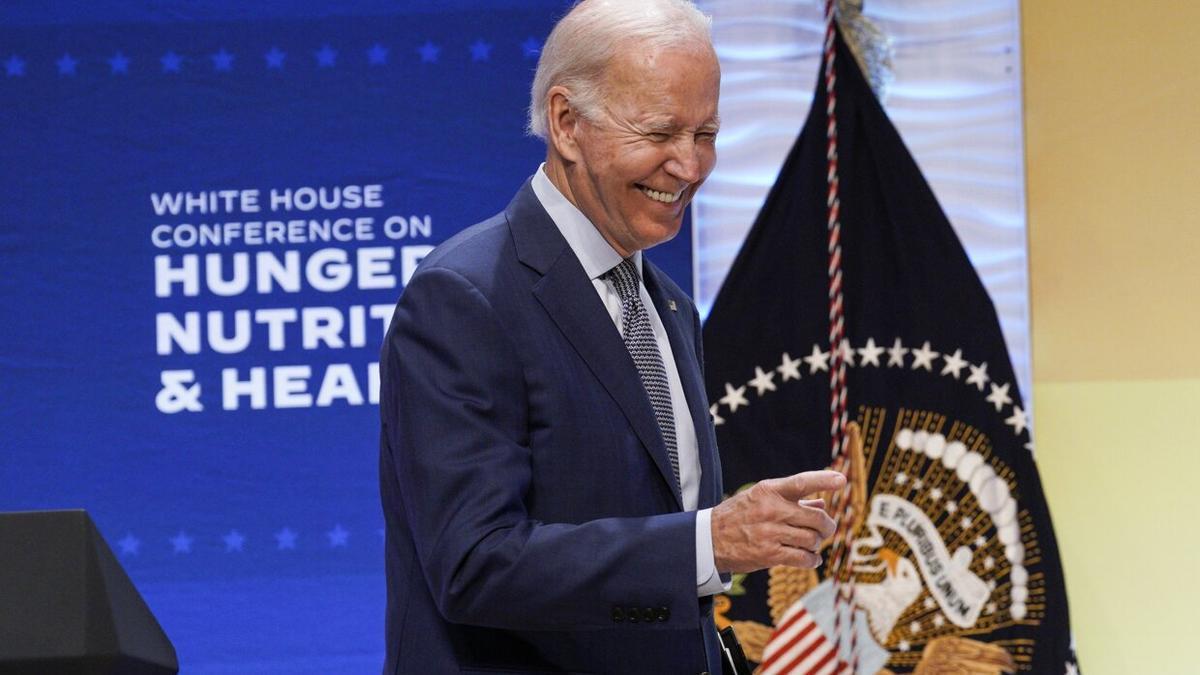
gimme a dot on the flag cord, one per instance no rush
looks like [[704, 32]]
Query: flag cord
[[843, 579]]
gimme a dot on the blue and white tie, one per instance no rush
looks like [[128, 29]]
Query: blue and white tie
[[639, 340]]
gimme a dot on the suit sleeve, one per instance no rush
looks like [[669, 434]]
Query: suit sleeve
[[455, 411]]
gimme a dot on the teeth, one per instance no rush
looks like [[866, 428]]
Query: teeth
[[664, 197]]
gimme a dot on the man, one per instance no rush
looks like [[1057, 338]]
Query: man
[[548, 466]]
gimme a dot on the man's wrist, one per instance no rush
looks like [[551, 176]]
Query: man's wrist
[[708, 580]]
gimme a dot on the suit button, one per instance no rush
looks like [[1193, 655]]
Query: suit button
[[618, 615], [662, 614], [648, 614], [632, 613]]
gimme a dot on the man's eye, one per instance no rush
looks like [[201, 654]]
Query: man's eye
[[659, 137], [706, 136]]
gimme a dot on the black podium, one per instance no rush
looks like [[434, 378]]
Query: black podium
[[67, 607]]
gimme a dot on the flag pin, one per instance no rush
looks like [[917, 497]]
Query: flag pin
[[672, 305]]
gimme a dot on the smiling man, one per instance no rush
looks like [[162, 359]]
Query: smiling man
[[549, 472], [632, 163]]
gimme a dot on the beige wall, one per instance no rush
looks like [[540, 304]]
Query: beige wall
[[1112, 110]]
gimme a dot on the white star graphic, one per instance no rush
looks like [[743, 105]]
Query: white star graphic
[[66, 65], [717, 419], [936, 494], [181, 543], [869, 353], [531, 47], [918, 484], [15, 66], [286, 539], [896, 354], [734, 397], [914, 627], [377, 55], [763, 381], [1018, 421], [990, 608], [965, 523], [818, 360], [326, 56], [222, 60], [954, 364], [119, 63], [233, 541], [789, 368], [980, 541], [901, 478], [939, 620], [171, 62], [989, 563], [951, 507], [129, 544], [337, 536], [480, 51], [929, 603], [979, 376], [903, 645], [846, 352], [999, 397], [275, 58], [429, 52], [923, 357]]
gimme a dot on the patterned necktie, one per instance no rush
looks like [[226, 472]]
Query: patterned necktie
[[639, 340]]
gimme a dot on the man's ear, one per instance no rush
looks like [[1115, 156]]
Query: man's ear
[[563, 124]]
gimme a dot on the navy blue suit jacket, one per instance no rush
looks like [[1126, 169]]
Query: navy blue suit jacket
[[533, 523]]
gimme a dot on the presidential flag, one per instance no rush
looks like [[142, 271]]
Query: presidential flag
[[950, 559]]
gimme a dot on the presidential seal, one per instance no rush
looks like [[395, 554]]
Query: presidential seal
[[938, 560]]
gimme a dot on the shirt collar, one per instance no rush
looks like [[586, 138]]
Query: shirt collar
[[594, 252]]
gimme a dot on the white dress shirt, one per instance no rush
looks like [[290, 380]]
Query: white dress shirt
[[597, 258]]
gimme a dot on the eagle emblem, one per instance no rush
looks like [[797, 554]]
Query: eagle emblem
[[938, 561]]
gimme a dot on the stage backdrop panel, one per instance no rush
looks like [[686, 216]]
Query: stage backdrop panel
[[206, 217]]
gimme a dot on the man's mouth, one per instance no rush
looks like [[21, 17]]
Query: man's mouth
[[658, 196]]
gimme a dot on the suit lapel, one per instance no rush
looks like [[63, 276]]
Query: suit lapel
[[679, 327], [572, 303]]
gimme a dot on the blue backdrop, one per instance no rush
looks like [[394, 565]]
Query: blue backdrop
[[206, 216]]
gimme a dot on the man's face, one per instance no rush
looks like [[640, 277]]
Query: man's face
[[644, 154]]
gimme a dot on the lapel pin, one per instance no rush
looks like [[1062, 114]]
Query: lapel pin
[[672, 305]]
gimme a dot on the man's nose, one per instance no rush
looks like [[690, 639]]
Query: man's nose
[[685, 162]]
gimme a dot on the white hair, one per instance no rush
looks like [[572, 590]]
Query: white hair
[[593, 32]]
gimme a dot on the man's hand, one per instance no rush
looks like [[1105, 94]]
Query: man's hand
[[774, 523]]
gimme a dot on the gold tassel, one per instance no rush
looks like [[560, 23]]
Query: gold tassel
[[872, 48]]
